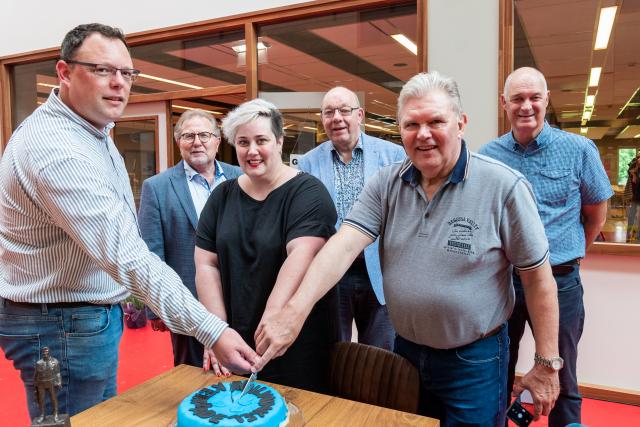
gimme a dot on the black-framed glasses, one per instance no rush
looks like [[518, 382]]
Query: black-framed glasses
[[344, 111], [190, 137], [102, 70]]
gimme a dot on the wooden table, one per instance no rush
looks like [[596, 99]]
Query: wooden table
[[155, 402]]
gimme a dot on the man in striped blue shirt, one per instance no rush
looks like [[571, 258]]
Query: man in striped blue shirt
[[70, 246], [571, 189]]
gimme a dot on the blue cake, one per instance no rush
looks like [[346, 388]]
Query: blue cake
[[218, 405]]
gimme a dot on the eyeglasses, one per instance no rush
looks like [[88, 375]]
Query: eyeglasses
[[344, 111], [190, 138], [129, 74]]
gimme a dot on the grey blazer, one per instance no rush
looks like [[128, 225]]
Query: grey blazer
[[168, 220], [377, 153]]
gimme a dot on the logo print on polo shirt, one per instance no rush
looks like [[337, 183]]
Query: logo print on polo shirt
[[460, 240]]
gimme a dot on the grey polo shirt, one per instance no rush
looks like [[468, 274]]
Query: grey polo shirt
[[446, 262]]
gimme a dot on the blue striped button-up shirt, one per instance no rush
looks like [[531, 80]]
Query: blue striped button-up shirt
[[68, 227], [565, 172]]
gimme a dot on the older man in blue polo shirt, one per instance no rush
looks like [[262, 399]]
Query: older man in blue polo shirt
[[344, 164], [447, 250], [571, 188]]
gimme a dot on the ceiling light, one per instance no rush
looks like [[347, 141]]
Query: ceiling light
[[605, 25], [184, 107], [48, 85], [637, 136], [591, 99], [404, 41], [594, 78], [310, 128], [586, 115], [584, 130], [383, 129], [242, 48], [173, 82]]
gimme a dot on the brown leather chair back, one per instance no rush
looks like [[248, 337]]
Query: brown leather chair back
[[373, 375]]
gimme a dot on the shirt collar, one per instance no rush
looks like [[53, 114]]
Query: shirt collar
[[56, 105], [191, 172], [359, 145], [542, 139], [460, 172]]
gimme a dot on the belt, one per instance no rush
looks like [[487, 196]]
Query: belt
[[493, 331], [49, 305], [559, 269], [565, 268]]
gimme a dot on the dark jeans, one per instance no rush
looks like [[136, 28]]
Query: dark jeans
[[570, 292], [84, 340], [464, 386], [359, 302]]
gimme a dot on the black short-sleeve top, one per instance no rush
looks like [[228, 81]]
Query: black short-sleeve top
[[250, 237]]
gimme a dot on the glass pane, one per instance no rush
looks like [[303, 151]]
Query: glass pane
[[136, 141], [166, 66], [355, 50], [606, 111], [30, 86], [190, 63]]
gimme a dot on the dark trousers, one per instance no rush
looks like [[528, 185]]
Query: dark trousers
[[568, 406], [358, 301], [186, 350], [463, 386]]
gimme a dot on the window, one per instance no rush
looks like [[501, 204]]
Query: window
[[359, 50], [595, 90]]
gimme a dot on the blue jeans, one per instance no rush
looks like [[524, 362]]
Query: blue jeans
[[464, 386], [358, 301], [84, 339], [568, 406]]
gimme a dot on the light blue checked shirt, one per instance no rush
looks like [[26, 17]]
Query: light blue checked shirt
[[566, 173], [68, 227], [199, 187]]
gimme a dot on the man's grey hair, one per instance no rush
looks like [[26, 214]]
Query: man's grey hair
[[529, 70], [74, 38], [248, 112], [422, 84], [190, 114]]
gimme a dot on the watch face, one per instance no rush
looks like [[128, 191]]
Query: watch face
[[556, 364]]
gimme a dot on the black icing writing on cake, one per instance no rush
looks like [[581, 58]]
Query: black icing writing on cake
[[204, 409]]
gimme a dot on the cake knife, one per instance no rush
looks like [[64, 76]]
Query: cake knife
[[251, 379]]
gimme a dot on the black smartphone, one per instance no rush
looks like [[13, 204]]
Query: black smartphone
[[519, 414]]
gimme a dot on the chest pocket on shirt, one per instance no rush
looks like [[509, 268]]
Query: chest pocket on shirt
[[555, 186]]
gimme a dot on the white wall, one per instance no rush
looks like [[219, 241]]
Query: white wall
[[609, 348], [463, 44], [38, 24]]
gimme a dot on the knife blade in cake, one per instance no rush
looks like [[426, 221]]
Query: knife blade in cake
[[251, 379]]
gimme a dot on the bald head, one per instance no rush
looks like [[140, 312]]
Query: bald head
[[529, 73], [342, 93]]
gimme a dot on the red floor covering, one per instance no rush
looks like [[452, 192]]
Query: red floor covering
[[145, 354]]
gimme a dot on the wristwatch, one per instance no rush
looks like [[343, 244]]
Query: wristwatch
[[555, 363]]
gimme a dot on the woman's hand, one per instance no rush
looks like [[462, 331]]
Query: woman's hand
[[209, 360]]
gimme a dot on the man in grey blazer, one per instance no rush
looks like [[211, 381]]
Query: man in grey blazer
[[344, 163], [170, 206]]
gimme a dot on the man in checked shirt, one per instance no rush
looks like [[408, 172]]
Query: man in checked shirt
[[571, 189]]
